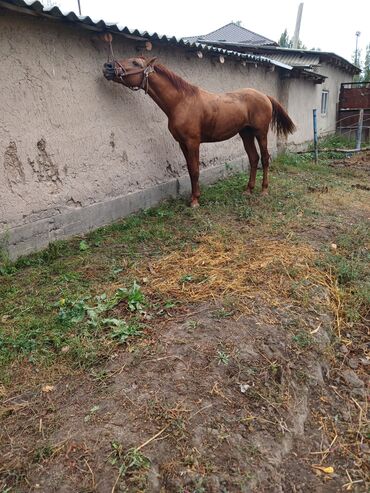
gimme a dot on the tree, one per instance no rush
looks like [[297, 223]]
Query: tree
[[286, 42], [366, 69], [356, 60]]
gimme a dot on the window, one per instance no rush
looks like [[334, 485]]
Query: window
[[324, 102]]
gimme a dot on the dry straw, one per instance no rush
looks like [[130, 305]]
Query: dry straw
[[217, 267]]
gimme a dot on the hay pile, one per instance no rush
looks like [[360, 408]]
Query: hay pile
[[218, 267]]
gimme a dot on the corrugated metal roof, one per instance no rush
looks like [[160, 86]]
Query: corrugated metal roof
[[297, 59], [35, 7], [233, 33], [279, 53], [101, 25]]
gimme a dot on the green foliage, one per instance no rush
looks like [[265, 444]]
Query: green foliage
[[186, 278], [130, 464], [73, 312], [302, 339], [286, 42], [366, 70], [336, 141], [363, 64], [121, 329], [134, 296], [223, 357], [83, 246]]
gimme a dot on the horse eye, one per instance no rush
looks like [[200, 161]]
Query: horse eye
[[137, 64]]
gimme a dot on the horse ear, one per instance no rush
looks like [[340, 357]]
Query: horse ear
[[152, 60]]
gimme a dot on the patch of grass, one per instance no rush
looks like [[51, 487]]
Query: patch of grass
[[39, 332], [336, 141], [350, 264]]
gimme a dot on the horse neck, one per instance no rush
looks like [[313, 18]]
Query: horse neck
[[163, 91]]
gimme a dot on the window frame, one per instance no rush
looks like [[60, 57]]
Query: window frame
[[324, 102]]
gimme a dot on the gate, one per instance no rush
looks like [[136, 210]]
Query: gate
[[354, 97]]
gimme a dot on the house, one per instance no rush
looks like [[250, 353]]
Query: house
[[234, 34], [78, 152], [323, 72]]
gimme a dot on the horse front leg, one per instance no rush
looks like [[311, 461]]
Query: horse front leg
[[191, 153]]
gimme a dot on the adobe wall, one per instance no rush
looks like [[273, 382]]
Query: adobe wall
[[77, 151]]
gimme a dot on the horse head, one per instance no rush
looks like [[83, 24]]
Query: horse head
[[131, 72]]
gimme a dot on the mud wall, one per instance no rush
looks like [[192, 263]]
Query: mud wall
[[77, 151], [304, 96]]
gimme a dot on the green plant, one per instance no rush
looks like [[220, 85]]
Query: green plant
[[186, 278], [134, 296], [130, 462], [223, 358], [192, 324], [121, 330], [83, 246], [73, 312], [42, 453], [302, 339]]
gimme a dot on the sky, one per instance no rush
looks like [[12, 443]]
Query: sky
[[326, 24]]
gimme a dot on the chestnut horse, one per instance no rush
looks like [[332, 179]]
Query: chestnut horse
[[195, 115]]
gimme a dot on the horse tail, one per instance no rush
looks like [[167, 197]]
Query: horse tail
[[281, 121]]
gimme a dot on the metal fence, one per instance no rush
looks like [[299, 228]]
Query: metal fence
[[353, 119]]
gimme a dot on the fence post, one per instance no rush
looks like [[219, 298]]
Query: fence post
[[315, 136], [359, 129]]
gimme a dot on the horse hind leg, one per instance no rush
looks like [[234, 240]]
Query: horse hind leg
[[191, 153], [265, 158], [247, 136]]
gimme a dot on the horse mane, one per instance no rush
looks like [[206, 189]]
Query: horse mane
[[178, 83]]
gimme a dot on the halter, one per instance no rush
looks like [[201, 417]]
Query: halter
[[123, 73]]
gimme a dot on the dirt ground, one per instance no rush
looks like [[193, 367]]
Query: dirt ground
[[243, 388]]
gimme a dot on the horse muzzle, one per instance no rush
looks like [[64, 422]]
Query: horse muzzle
[[109, 71]]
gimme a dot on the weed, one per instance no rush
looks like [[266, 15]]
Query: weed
[[223, 358], [132, 464], [135, 298], [42, 453], [73, 312], [92, 411], [83, 246], [222, 313], [302, 339], [186, 278], [121, 329], [192, 324]]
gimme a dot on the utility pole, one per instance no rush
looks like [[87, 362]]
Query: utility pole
[[297, 26]]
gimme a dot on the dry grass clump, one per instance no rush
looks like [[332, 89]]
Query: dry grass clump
[[218, 267]]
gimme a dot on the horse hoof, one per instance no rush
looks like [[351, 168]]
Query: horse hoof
[[248, 191], [265, 193], [194, 205]]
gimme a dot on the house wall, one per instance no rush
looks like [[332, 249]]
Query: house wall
[[77, 151], [304, 96]]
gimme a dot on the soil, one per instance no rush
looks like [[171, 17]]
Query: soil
[[237, 406]]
